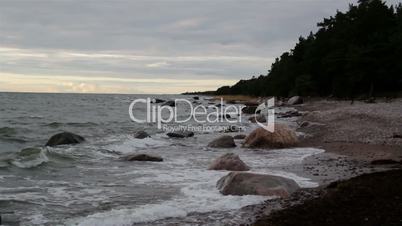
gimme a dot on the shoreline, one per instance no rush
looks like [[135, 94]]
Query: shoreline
[[336, 127]]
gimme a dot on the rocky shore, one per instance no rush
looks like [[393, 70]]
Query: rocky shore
[[358, 174]]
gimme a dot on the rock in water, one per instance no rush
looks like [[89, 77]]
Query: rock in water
[[180, 134], [239, 136], [64, 138], [230, 162], [169, 103], [143, 157], [249, 110], [240, 183], [157, 101], [282, 137], [141, 135], [295, 100], [223, 142]]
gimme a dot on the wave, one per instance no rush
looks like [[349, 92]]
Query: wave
[[30, 157], [9, 134], [194, 197], [33, 157], [7, 131], [127, 145]]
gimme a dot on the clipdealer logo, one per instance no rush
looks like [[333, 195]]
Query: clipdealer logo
[[163, 114]]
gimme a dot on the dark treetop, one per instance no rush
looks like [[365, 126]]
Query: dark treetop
[[357, 53]]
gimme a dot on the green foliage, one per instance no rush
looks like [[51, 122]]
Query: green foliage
[[352, 54]]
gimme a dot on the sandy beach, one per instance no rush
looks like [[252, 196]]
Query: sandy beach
[[359, 139]]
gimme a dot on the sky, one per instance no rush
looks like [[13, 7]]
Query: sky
[[148, 46]]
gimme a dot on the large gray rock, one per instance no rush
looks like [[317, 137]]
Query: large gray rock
[[241, 183], [180, 134], [64, 138], [141, 135], [295, 100], [230, 162], [143, 157], [282, 137], [223, 142]]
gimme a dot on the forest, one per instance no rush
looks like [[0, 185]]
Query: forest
[[357, 53]]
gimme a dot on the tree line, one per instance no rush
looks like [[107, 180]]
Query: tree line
[[353, 54]]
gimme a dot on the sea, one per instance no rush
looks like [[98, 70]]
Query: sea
[[89, 183]]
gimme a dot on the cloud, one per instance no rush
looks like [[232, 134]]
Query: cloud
[[107, 84], [158, 64], [180, 41]]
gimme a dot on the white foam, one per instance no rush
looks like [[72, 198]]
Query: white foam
[[131, 144], [200, 197], [36, 219], [198, 192], [40, 159]]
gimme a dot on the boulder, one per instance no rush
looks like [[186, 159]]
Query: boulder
[[230, 162], [239, 137], [218, 105], [295, 100], [257, 118], [223, 142], [241, 183], [282, 137], [143, 157], [141, 135], [180, 134], [157, 101], [249, 109], [64, 138], [196, 98], [169, 103]]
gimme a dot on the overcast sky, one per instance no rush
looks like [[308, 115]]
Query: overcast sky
[[127, 46]]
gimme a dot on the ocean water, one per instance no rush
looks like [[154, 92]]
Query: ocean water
[[89, 184]]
